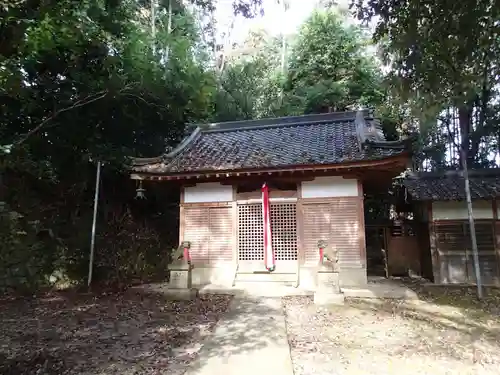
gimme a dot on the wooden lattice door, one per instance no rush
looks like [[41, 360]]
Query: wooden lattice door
[[251, 237]]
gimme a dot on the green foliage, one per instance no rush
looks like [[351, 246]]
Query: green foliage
[[85, 81], [28, 256], [330, 66], [443, 49], [444, 61]]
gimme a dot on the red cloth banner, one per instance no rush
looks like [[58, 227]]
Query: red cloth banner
[[266, 215], [187, 256]]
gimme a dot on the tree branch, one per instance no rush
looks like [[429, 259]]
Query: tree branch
[[79, 103]]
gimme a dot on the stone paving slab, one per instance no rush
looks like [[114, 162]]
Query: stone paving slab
[[380, 291], [250, 339]]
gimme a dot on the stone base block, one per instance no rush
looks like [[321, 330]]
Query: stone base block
[[328, 282], [180, 279], [325, 298], [181, 294]]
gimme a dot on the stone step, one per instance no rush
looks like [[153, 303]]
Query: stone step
[[380, 291], [271, 277], [262, 289]]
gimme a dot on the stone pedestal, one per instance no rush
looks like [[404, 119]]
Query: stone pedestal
[[327, 288], [179, 285], [328, 281], [180, 279], [326, 298]]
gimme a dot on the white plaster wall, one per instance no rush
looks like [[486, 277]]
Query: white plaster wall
[[208, 192], [329, 187], [458, 210]]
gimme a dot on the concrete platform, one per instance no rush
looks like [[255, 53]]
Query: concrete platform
[[255, 289], [250, 339], [173, 293], [383, 290]]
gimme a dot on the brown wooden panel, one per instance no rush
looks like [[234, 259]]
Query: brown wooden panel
[[484, 235], [455, 236], [272, 194], [316, 226], [403, 255], [453, 269], [455, 263], [221, 235], [449, 237], [196, 230], [497, 234], [336, 221], [345, 224], [209, 229]]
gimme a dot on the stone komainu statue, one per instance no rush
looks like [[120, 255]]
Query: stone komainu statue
[[328, 257], [181, 255]]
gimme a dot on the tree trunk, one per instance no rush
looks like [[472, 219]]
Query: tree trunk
[[465, 123], [466, 159], [475, 253]]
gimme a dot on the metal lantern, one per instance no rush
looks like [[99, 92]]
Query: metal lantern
[[140, 192]]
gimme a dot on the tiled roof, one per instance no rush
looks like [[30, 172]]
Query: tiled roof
[[284, 142], [484, 184]]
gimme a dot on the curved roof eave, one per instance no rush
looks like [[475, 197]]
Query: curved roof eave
[[290, 168], [176, 151]]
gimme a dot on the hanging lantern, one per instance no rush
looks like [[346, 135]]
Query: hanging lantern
[[140, 192]]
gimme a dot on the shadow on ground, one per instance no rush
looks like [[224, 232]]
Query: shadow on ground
[[132, 332], [447, 321]]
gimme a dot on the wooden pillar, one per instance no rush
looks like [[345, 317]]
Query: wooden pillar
[[436, 267], [361, 227], [234, 211], [496, 241], [300, 225], [181, 216]]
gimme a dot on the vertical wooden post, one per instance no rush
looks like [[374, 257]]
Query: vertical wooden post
[[361, 225], [300, 229], [181, 216], [472, 226], [234, 218], [436, 269], [496, 247]]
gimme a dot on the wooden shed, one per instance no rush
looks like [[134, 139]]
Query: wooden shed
[[315, 166], [441, 203]]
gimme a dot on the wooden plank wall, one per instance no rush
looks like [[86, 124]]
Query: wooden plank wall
[[337, 221], [210, 230], [452, 251]]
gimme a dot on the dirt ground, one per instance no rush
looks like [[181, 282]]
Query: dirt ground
[[124, 333], [446, 332]]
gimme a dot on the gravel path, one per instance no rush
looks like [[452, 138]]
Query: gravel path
[[388, 337], [121, 333]]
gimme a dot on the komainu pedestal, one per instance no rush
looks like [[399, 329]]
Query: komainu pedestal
[[180, 275], [327, 285], [179, 285]]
